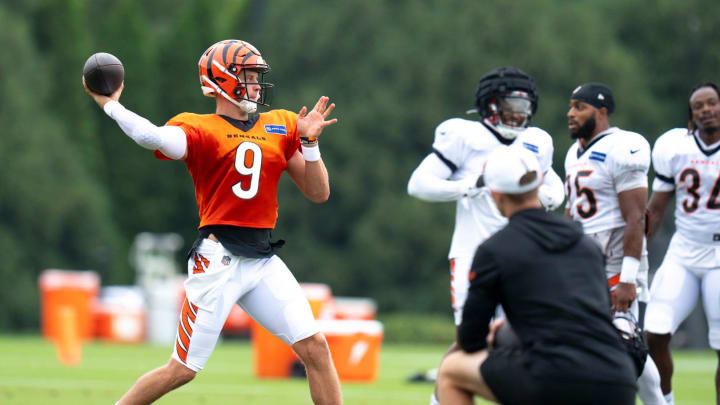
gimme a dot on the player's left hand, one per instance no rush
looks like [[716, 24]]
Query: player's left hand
[[311, 124], [492, 333], [623, 296]]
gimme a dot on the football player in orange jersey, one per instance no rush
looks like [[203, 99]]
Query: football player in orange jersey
[[235, 159]]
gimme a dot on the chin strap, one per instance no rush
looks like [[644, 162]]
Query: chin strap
[[509, 132], [506, 131], [247, 106]]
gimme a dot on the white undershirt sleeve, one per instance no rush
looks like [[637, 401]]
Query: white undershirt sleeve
[[170, 140], [429, 181]]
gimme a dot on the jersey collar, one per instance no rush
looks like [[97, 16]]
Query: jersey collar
[[701, 145], [242, 125], [499, 137], [581, 150]]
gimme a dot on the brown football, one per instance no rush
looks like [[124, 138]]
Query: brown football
[[103, 73], [506, 338]]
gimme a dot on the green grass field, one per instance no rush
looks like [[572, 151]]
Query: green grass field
[[30, 374]]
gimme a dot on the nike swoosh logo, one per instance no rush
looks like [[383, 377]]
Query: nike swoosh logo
[[633, 151]]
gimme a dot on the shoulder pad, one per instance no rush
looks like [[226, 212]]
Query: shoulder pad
[[453, 126], [538, 137], [630, 151], [538, 132], [183, 118], [665, 148], [572, 152], [670, 138], [282, 114]]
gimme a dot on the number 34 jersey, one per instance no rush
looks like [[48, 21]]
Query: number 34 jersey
[[615, 161], [690, 168], [235, 166]]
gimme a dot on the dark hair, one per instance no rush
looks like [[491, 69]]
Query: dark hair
[[528, 178], [691, 124]]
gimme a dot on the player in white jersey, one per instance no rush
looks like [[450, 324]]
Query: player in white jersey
[[687, 165], [506, 99], [606, 178]]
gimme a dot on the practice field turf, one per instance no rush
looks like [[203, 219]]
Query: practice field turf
[[30, 374]]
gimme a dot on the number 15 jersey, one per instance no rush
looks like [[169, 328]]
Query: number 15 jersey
[[613, 162], [235, 166], [685, 165]]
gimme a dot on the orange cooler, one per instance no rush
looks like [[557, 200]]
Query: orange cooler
[[120, 315], [272, 358], [320, 297], [61, 290], [237, 322], [355, 348]]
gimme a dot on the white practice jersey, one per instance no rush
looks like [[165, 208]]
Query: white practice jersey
[[464, 146], [615, 161], [685, 165]]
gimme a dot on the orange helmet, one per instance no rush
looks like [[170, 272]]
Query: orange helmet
[[221, 69]]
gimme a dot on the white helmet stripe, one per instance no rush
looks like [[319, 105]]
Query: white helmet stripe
[[222, 68], [219, 90]]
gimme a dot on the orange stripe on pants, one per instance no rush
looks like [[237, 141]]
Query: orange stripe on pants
[[187, 315], [614, 280], [182, 353]]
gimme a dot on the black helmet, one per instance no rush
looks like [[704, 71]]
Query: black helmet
[[513, 86]]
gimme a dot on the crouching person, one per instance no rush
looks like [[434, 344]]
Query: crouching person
[[550, 280]]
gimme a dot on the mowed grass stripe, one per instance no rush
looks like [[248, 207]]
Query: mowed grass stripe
[[31, 374]]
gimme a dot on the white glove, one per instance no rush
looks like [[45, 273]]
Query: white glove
[[552, 191]]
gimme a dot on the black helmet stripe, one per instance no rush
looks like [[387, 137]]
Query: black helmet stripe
[[209, 65], [247, 56], [225, 51], [239, 48]]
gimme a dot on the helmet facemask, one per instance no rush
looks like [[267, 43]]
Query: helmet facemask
[[506, 99], [510, 114]]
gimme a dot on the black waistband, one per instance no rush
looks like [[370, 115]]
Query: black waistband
[[240, 241]]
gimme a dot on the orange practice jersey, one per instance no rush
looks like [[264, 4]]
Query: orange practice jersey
[[236, 172]]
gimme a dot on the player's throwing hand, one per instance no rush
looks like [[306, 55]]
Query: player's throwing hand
[[99, 98]]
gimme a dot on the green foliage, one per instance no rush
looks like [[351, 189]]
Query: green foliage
[[409, 327], [75, 190], [53, 212]]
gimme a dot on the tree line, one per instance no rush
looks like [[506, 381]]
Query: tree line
[[75, 190]]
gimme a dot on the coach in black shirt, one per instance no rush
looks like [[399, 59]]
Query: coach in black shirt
[[550, 280]]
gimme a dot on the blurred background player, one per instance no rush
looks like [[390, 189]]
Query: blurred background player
[[549, 278], [506, 99], [606, 178], [687, 166], [235, 160]]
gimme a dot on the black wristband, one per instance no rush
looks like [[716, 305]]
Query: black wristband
[[308, 141]]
